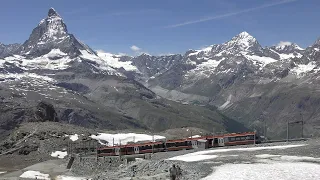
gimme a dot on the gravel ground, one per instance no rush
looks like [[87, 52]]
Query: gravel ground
[[157, 167]]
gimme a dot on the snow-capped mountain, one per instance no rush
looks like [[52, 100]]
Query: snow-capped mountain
[[287, 51], [239, 77], [89, 88], [51, 47], [234, 74], [52, 33]]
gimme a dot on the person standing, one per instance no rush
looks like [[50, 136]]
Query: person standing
[[173, 172], [179, 171]]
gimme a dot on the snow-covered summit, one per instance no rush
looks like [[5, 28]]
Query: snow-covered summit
[[287, 46], [243, 41], [52, 33]]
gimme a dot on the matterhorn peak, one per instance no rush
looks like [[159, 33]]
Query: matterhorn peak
[[51, 34], [52, 12]]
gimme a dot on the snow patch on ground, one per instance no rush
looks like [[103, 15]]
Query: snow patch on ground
[[74, 137], [286, 56], [55, 53], [35, 175], [263, 60], [270, 171], [287, 158], [12, 76], [303, 68], [114, 61], [59, 154], [194, 136], [44, 62], [103, 65], [204, 155], [2, 172], [191, 158], [204, 70], [123, 139]]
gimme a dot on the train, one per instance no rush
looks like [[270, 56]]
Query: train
[[209, 141]]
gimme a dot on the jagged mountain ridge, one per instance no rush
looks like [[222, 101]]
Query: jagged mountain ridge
[[225, 75], [52, 33], [86, 89], [6, 50], [236, 75], [243, 79]]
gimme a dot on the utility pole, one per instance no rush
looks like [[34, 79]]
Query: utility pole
[[287, 130], [120, 149], [152, 143], [254, 136], [265, 129], [302, 128], [301, 125]]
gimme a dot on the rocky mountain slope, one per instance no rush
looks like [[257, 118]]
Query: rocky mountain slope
[[255, 85], [249, 83], [258, 86], [54, 77]]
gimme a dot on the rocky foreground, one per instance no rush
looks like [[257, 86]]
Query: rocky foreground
[[197, 165]]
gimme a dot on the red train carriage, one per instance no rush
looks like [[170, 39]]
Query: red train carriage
[[150, 147], [231, 139], [239, 138], [180, 144], [111, 150]]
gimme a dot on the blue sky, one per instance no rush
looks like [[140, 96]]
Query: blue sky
[[166, 26]]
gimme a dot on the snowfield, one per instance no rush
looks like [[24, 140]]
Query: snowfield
[[287, 158], [74, 137], [114, 61], [121, 138], [301, 69], [245, 164], [59, 154], [263, 60], [12, 76], [206, 155], [35, 175], [268, 171]]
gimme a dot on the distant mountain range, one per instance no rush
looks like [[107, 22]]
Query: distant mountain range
[[254, 85], [53, 76]]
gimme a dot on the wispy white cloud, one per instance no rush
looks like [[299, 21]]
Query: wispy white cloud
[[231, 14], [76, 11], [122, 13], [138, 51], [122, 54], [135, 48], [284, 43]]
